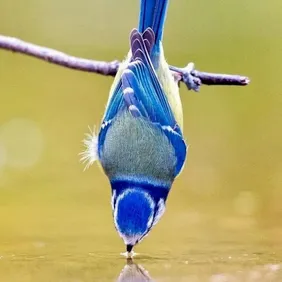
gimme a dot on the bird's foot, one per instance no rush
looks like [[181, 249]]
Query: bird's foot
[[187, 76]]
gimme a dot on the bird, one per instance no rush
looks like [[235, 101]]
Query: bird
[[134, 272], [140, 144]]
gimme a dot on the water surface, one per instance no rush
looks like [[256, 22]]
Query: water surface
[[223, 219]]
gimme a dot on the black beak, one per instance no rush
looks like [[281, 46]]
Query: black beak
[[129, 248]]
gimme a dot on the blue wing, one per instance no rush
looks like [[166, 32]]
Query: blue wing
[[142, 79], [179, 147], [140, 92]]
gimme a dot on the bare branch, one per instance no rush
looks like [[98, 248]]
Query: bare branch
[[191, 77], [58, 58], [221, 79]]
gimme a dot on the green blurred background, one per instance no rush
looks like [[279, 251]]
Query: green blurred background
[[224, 211]]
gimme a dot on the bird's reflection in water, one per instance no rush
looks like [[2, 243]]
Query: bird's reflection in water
[[133, 272]]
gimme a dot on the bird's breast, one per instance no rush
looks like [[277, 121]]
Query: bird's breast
[[136, 147]]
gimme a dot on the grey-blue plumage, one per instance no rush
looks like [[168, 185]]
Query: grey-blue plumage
[[135, 147], [140, 144], [141, 147]]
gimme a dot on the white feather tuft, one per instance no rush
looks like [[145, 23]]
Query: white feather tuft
[[90, 153]]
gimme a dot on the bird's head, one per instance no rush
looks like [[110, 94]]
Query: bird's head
[[136, 211]]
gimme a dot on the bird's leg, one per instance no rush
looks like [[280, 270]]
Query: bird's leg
[[185, 74]]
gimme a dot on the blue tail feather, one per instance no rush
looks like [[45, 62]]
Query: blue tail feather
[[142, 41], [153, 14], [149, 39]]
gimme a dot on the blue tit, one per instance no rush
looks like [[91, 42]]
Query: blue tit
[[134, 272], [140, 144]]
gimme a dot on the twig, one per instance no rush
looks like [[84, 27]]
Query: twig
[[57, 57], [191, 77]]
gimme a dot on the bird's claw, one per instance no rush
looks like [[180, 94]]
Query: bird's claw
[[187, 76], [192, 82]]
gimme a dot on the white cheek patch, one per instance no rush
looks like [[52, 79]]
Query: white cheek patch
[[160, 211], [152, 206], [121, 196], [113, 199], [130, 240]]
